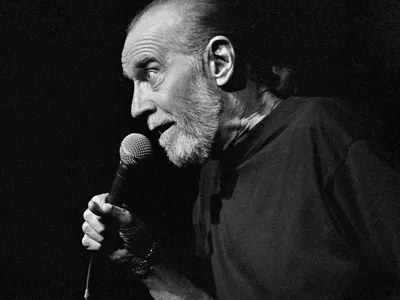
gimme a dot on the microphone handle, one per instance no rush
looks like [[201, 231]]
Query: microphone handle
[[115, 194]]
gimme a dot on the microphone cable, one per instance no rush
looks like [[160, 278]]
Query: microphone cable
[[86, 295]]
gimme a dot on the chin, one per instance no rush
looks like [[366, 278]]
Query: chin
[[184, 150]]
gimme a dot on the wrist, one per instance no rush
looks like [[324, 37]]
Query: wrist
[[130, 257], [136, 239], [143, 266]]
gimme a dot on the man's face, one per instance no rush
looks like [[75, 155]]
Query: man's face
[[180, 104]]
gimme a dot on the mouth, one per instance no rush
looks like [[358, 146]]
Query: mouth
[[160, 129]]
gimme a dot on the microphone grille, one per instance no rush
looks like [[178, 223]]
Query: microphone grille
[[135, 148]]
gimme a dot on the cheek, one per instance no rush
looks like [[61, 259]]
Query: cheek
[[176, 94]]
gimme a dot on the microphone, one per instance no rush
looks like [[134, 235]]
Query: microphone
[[135, 149]]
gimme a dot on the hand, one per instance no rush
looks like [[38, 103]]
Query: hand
[[114, 231]]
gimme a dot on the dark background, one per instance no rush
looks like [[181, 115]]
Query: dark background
[[65, 109]]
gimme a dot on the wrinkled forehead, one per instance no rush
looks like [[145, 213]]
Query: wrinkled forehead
[[158, 23]]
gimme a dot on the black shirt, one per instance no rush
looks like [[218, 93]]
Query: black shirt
[[305, 206]]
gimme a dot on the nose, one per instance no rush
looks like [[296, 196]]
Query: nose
[[141, 106]]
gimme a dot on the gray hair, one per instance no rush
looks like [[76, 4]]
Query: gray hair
[[204, 19]]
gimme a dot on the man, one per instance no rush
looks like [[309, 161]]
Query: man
[[295, 199]]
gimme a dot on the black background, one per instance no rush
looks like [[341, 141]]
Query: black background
[[65, 109]]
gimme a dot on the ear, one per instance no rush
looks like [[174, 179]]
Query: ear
[[220, 57]]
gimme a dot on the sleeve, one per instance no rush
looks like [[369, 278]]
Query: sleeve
[[366, 190]]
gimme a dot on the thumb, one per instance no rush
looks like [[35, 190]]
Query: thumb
[[100, 209], [111, 211]]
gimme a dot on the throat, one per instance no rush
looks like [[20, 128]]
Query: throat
[[237, 125], [247, 123]]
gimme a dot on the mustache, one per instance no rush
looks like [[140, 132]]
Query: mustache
[[160, 119]]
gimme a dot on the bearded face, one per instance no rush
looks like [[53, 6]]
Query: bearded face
[[190, 137], [180, 103]]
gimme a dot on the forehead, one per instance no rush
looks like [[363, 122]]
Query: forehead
[[153, 31]]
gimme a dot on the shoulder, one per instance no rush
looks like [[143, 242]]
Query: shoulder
[[335, 125], [326, 128], [320, 109], [330, 117]]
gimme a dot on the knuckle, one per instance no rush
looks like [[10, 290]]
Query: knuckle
[[101, 198], [90, 244], [85, 241], [85, 227], [95, 199], [86, 214]]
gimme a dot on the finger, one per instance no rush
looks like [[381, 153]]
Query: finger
[[95, 208], [121, 214], [100, 209], [92, 233], [88, 215], [94, 221], [109, 210], [98, 199], [90, 244], [101, 198]]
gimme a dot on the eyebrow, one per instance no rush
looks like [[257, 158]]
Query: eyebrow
[[144, 61], [141, 63]]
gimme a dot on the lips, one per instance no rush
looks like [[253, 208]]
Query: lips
[[158, 130], [163, 127]]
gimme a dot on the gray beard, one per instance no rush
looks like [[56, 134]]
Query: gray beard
[[191, 138]]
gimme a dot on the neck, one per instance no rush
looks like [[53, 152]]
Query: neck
[[243, 111], [268, 102]]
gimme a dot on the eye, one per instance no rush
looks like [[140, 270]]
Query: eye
[[151, 75]]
